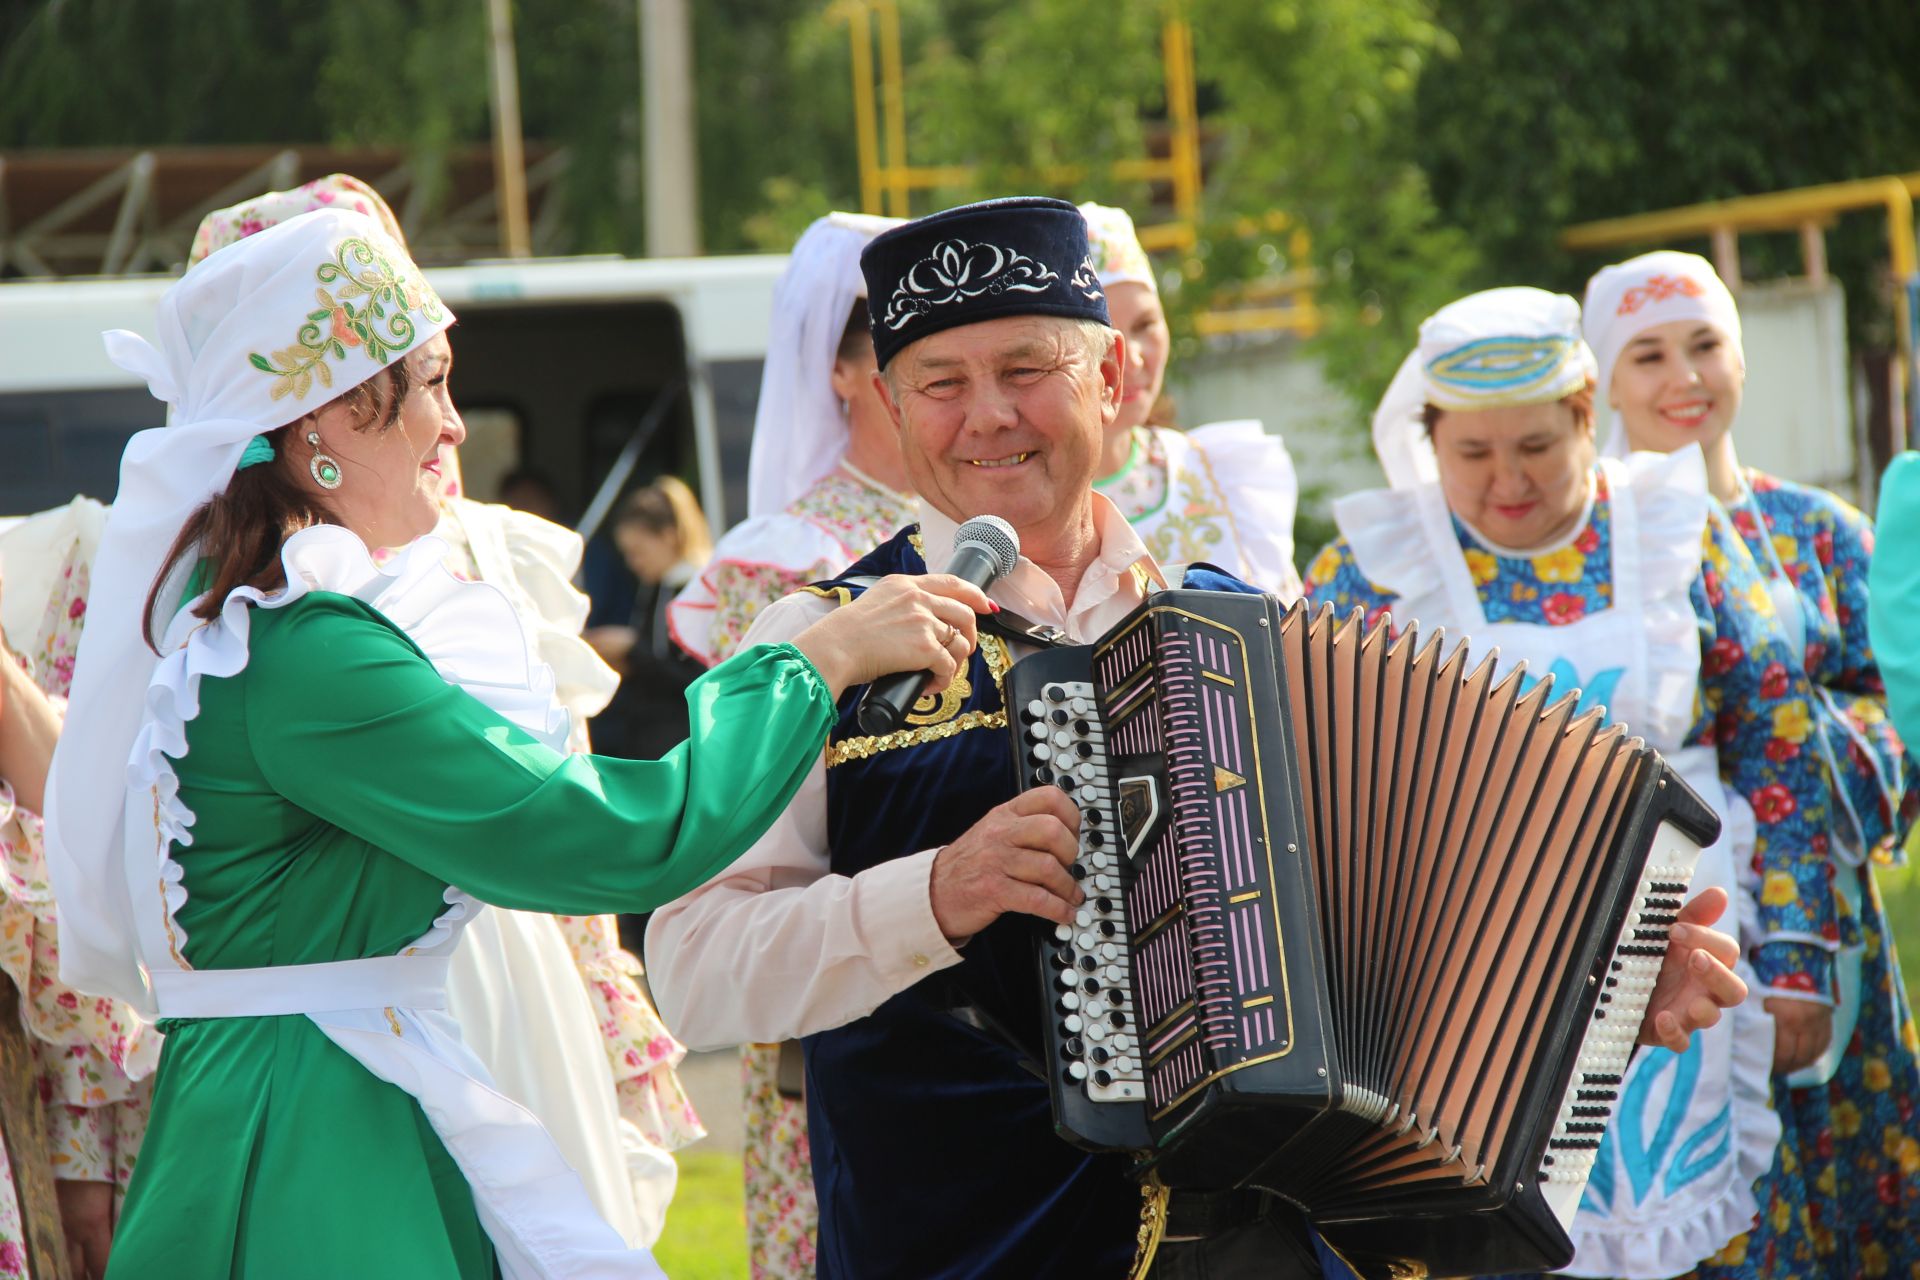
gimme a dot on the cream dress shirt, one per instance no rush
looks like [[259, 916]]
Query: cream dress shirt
[[777, 946]]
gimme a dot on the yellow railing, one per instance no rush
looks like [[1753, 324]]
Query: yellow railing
[[1810, 210], [888, 181]]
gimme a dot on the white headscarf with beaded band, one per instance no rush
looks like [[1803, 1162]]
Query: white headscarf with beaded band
[[255, 337], [1512, 346]]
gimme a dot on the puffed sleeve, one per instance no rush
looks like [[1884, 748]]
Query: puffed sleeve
[[1757, 711], [759, 561], [349, 720], [1254, 473]]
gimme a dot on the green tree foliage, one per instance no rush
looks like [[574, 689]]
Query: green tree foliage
[[1544, 116], [1428, 146]]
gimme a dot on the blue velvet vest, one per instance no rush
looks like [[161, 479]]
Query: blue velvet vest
[[934, 1154]]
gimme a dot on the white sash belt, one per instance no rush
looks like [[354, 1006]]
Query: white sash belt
[[377, 982]]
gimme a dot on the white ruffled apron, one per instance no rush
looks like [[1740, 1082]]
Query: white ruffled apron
[[1846, 841], [1674, 1178], [388, 1012]]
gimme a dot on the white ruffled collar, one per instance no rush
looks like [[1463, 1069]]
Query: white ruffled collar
[[467, 630]]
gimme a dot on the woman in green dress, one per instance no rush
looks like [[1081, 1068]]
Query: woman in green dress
[[288, 776]]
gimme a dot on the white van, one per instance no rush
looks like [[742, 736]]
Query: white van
[[559, 364]]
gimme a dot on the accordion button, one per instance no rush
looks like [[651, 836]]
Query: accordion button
[[1072, 1024], [1059, 715], [1055, 693], [1064, 932], [1100, 1055], [1096, 817], [1108, 929], [1076, 1047], [1118, 1018], [1068, 1002], [1086, 941], [1079, 872], [1081, 728], [1036, 709], [1103, 1078], [1040, 732], [1076, 1071]]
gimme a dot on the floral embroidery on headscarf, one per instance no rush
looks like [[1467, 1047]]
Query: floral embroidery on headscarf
[[382, 324]]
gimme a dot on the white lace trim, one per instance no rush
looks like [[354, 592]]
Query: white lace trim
[[1670, 508], [456, 623]]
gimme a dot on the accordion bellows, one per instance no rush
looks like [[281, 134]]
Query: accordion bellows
[[1370, 923]]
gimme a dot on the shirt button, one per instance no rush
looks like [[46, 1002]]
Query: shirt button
[[920, 961]]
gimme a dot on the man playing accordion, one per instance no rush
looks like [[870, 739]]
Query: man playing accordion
[[879, 918]]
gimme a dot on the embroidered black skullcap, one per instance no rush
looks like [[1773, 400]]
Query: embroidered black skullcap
[[1019, 256]]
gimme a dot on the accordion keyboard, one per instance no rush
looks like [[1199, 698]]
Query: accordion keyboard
[[1593, 1091], [1093, 1007]]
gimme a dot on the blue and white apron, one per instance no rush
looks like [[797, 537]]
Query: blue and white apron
[[1674, 1178]]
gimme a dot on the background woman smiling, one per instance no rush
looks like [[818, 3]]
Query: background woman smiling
[[1668, 335]]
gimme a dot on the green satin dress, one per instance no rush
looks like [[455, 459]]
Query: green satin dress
[[338, 786]]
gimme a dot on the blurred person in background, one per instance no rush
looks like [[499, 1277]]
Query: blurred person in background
[[1666, 331], [1222, 494], [663, 538], [92, 1058], [528, 489], [827, 485], [553, 1004], [1624, 580]]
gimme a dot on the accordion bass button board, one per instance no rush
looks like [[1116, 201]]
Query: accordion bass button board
[[1368, 925]]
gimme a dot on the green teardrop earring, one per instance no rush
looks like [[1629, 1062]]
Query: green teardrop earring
[[325, 471]]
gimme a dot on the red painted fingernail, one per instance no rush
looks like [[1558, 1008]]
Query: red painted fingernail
[[992, 607]]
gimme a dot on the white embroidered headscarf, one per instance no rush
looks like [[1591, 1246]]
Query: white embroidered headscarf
[[255, 337], [1629, 298], [1114, 248], [1512, 346], [799, 430]]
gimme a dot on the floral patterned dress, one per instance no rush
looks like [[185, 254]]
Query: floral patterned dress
[[1855, 1133], [1756, 718], [1223, 494], [94, 1058], [826, 529]]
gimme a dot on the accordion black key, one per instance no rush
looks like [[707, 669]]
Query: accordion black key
[[1366, 925]]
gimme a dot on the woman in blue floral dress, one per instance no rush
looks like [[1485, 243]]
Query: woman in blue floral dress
[[1621, 579], [1668, 334]]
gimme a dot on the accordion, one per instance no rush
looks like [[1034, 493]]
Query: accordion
[[1366, 926]]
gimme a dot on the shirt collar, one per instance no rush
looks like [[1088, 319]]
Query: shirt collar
[[1122, 574]]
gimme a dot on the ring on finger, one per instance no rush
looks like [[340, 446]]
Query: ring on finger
[[947, 639]]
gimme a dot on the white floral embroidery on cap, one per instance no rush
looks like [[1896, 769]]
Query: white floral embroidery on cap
[[955, 271], [1086, 278]]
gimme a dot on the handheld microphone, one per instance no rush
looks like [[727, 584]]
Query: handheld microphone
[[985, 548]]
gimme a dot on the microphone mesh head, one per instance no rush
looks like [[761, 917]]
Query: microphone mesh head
[[996, 537]]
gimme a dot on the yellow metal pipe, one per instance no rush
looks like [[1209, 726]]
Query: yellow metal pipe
[[1779, 210], [894, 103], [1302, 320], [865, 131], [1183, 114]]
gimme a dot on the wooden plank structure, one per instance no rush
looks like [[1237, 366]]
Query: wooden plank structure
[[119, 211]]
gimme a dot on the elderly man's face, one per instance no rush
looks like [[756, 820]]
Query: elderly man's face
[[1005, 417]]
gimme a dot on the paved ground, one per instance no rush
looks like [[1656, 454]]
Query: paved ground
[[712, 1080]]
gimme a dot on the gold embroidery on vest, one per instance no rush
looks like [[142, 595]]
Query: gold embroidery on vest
[[993, 651]]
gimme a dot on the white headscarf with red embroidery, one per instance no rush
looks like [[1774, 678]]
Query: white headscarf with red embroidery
[[1629, 298], [255, 337]]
